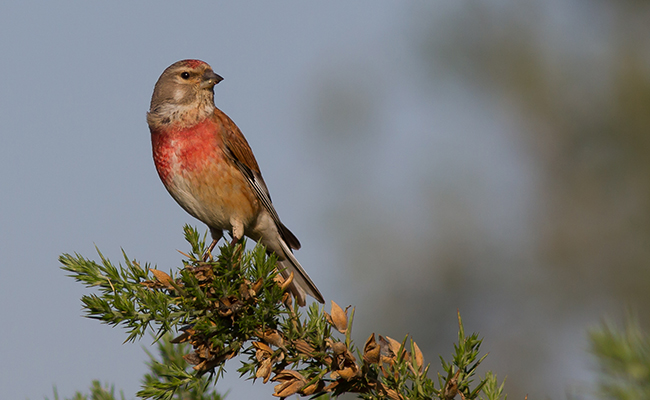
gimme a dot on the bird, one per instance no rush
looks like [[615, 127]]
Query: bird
[[208, 167]]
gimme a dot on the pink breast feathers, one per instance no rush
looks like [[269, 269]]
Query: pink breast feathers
[[188, 150]]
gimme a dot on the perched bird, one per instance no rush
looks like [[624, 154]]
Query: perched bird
[[208, 167]]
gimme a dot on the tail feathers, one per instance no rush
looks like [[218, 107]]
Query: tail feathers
[[288, 236], [298, 292], [301, 284]]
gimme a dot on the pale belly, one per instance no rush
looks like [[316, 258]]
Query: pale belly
[[216, 195]]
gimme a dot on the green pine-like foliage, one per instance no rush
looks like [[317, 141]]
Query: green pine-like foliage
[[208, 312]]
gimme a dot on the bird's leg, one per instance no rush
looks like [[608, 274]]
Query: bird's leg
[[208, 252], [216, 235], [237, 231]]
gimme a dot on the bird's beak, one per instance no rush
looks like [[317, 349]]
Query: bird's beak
[[210, 79]]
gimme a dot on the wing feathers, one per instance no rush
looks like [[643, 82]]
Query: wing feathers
[[240, 153]]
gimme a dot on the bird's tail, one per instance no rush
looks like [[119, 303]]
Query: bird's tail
[[302, 284]]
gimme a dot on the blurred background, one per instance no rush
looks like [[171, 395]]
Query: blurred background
[[487, 156]]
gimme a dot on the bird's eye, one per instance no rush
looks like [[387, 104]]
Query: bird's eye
[[185, 75]]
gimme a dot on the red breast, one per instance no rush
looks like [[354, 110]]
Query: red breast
[[188, 150]]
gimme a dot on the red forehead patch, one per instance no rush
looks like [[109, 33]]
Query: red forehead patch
[[194, 63]]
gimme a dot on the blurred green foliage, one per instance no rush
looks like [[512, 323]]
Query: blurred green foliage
[[623, 361]]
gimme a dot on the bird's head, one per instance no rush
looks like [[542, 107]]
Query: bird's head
[[184, 88]]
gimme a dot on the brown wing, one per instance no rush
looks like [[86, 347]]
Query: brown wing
[[239, 151], [236, 142]]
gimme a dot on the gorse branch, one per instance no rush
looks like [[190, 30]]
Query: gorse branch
[[237, 304]]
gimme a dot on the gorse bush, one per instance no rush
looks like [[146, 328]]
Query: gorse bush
[[237, 304]]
